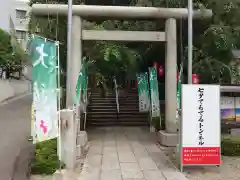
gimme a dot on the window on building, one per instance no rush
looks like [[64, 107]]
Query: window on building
[[20, 34], [21, 14]]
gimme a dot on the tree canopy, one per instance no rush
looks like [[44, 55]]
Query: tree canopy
[[214, 39]]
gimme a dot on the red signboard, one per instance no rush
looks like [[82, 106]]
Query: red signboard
[[201, 156]]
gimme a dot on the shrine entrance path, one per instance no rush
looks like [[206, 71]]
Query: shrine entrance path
[[126, 153]]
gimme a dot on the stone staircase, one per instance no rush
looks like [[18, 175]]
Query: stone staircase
[[103, 111]]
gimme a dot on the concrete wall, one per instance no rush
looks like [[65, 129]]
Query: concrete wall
[[12, 88]]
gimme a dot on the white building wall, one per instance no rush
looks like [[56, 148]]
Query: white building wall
[[21, 20], [14, 19], [5, 13]]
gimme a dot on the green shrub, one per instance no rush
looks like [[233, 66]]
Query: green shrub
[[46, 158], [230, 145]]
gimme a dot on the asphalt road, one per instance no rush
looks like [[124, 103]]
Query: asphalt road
[[15, 120]]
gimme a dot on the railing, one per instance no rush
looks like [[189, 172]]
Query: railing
[[89, 93], [116, 99], [116, 91]]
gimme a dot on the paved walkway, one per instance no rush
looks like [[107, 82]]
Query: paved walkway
[[126, 154], [14, 131]]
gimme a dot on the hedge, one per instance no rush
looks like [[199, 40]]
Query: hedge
[[230, 145], [46, 158]]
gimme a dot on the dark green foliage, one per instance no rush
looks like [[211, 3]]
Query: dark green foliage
[[214, 38], [46, 158], [230, 146], [5, 47]]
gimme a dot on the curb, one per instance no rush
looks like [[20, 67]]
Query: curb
[[13, 98]]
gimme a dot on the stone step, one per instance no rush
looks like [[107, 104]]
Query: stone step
[[114, 94], [126, 104], [114, 98], [100, 110], [107, 114], [112, 106], [124, 113], [115, 118], [119, 124]]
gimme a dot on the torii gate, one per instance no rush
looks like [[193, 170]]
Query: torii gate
[[126, 12]]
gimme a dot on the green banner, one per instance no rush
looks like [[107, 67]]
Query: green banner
[[143, 92], [147, 90], [85, 84], [44, 75], [81, 85], [78, 88], [155, 105], [179, 87]]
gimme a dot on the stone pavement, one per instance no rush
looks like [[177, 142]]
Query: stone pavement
[[120, 153], [15, 118]]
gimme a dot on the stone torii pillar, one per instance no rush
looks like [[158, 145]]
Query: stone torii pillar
[[73, 66], [169, 136]]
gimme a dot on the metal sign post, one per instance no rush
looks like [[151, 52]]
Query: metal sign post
[[190, 41]]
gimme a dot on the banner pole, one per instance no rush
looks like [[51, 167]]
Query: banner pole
[[59, 107]]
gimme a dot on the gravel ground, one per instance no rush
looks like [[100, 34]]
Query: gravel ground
[[229, 170]]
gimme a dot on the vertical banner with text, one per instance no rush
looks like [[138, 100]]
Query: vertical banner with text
[[200, 126], [44, 75], [179, 86], [78, 87], [155, 105], [143, 92], [81, 85], [147, 95], [85, 83]]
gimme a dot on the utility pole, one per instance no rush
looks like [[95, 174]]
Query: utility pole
[[190, 41], [69, 52]]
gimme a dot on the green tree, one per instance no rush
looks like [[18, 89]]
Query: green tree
[[5, 48], [12, 56], [213, 39], [111, 58]]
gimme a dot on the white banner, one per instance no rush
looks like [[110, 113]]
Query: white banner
[[45, 97], [200, 127]]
